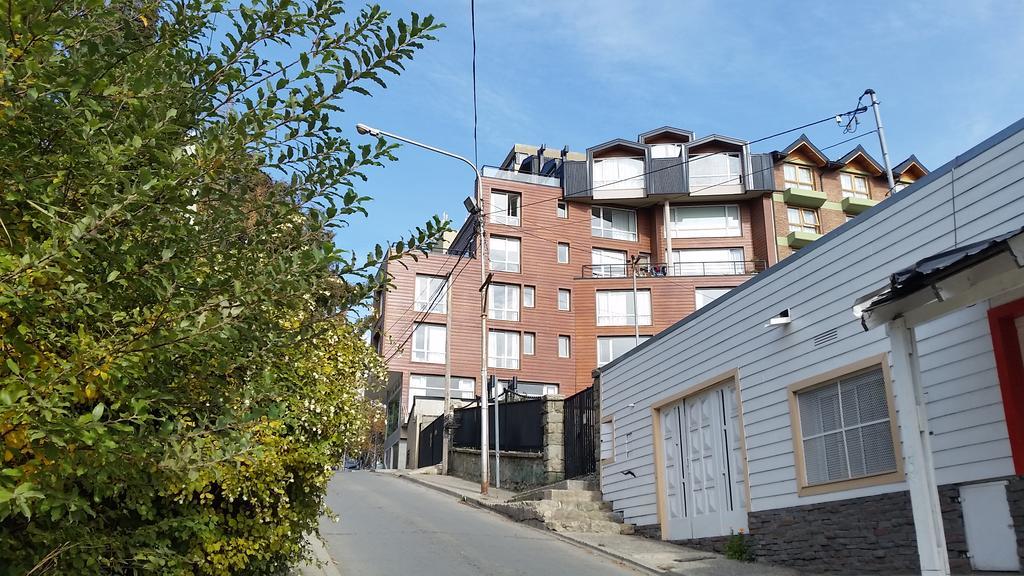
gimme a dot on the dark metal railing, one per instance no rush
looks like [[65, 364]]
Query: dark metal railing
[[661, 269], [522, 426], [431, 443], [580, 434]]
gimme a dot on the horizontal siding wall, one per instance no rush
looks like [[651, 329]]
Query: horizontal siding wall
[[819, 288]]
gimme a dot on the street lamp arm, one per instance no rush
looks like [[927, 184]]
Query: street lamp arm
[[364, 129]]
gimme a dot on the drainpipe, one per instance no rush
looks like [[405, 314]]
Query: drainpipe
[[668, 235]]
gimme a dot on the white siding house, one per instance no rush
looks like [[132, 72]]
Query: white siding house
[[699, 466]]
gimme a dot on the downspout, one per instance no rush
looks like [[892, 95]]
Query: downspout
[[668, 235]]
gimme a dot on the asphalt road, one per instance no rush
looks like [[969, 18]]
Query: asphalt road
[[394, 527]]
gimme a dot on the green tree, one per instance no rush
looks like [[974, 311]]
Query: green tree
[[179, 359]]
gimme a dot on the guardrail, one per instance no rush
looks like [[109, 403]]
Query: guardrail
[[660, 269]]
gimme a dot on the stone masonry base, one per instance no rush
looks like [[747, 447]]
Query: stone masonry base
[[874, 534]]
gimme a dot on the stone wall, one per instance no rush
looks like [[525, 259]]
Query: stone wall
[[1015, 496], [521, 470]]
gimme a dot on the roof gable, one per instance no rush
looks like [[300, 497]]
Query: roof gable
[[616, 143], [685, 135], [860, 153], [716, 138], [911, 164], [806, 147]]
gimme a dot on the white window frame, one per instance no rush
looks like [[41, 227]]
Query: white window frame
[[529, 343], [564, 346], [509, 299], [608, 315], [606, 263], [730, 220], [618, 173], [503, 349], [462, 388], [715, 262], [794, 175], [667, 150], [567, 293], [529, 296], [562, 209], [606, 347], [508, 210], [601, 228], [701, 295], [425, 345], [849, 183], [562, 252], [507, 264], [803, 224], [714, 177], [431, 289]]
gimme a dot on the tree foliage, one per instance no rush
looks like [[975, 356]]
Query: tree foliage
[[179, 366]]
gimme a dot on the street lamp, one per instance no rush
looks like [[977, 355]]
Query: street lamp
[[482, 252]]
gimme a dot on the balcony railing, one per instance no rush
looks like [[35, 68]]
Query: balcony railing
[[678, 269], [492, 172]]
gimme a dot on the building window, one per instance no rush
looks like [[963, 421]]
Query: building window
[[422, 385], [803, 220], [563, 346], [705, 296], [562, 211], [899, 186], [503, 254], [505, 208], [666, 150], [854, 185], [607, 263], [529, 343], [798, 176], [615, 308], [430, 294], [846, 428], [611, 347], [503, 302], [564, 298], [705, 221], [619, 173], [563, 253], [503, 349], [707, 262], [614, 223], [428, 343], [710, 170], [531, 389], [529, 293]]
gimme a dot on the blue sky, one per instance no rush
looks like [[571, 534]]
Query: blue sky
[[948, 74]]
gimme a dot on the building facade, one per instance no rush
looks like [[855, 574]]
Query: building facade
[[855, 408], [591, 254]]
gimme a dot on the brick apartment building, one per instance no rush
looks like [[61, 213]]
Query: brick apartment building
[[689, 217]]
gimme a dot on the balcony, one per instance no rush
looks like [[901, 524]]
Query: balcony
[[803, 197], [524, 177], [678, 269], [854, 205], [801, 239]]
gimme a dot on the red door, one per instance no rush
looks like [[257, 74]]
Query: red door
[[1007, 325]]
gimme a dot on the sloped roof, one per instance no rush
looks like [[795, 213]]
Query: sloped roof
[[805, 142], [906, 164], [716, 138], [860, 151], [616, 142], [688, 134]]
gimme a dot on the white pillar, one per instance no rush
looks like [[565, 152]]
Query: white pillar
[[667, 217], [918, 466]]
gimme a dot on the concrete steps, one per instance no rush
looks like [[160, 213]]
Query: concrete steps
[[569, 506]]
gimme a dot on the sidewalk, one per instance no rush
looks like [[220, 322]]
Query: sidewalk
[[652, 556]]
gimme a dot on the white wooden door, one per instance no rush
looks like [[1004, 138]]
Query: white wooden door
[[991, 540], [704, 467], [675, 479]]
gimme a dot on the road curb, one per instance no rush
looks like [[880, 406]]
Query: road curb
[[483, 505], [323, 564]]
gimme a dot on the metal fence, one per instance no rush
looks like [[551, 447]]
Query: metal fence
[[580, 434], [431, 443], [521, 426]]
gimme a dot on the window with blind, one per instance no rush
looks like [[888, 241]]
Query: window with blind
[[845, 428]]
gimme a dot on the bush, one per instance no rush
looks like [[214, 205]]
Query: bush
[[180, 354], [739, 547]]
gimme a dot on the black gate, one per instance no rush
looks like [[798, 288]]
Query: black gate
[[580, 434], [431, 443], [522, 426]]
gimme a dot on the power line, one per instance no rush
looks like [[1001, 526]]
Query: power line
[[407, 331], [413, 305], [686, 161]]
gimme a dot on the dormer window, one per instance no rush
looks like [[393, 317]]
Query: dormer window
[[798, 176], [621, 173], [854, 185], [718, 169], [666, 150]]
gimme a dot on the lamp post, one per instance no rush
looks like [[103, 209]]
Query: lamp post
[[482, 253]]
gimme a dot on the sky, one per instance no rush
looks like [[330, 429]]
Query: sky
[[948, 74]]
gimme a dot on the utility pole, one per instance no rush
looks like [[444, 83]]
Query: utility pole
[[482, 254], [881, 140], [445, 431], [636, 309]]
